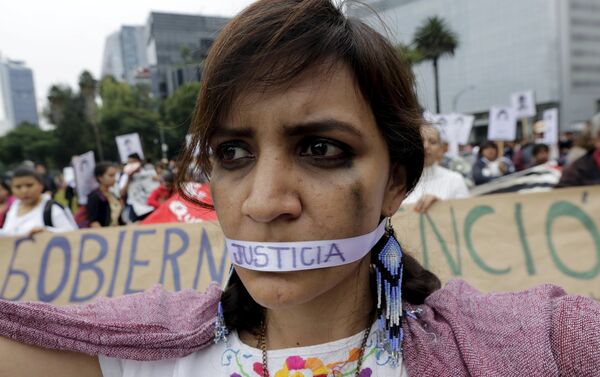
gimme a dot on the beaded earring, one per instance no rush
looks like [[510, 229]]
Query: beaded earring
[[221, 330], [388, 271]]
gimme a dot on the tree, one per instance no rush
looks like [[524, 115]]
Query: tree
[[177, 112], [28, 142], [409, 54], [126, 109], [87, 89], [435, 39], [73, 130]]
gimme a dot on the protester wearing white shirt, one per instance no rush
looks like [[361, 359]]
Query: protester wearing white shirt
[[26, 215], [436, 183]]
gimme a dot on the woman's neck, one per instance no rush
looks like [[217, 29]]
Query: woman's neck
[[339, 313]]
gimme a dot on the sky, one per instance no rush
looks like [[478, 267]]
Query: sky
[[60, 38]]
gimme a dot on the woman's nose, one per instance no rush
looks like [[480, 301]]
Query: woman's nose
[[274, 191]]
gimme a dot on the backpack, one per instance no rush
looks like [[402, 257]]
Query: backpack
[[48, 211]]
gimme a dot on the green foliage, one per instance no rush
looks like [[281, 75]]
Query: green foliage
[[434, 39], [28, 142], [122, 109], [409, 54], [177, 112]]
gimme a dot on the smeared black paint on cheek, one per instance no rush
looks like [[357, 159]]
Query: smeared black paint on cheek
[[359, 206]]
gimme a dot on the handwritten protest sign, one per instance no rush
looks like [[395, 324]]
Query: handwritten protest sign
[[497, 243]]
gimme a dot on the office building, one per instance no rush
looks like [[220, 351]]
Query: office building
[[176, 46], [17, 95], [549, 46]]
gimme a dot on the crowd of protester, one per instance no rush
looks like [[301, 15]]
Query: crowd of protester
[[576, 157], [32, 200]]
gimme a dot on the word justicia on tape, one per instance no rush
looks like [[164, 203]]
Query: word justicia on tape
[[301, 255]]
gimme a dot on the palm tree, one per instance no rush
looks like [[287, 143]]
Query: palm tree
[[87, 88], [435, 39], [409, 54]]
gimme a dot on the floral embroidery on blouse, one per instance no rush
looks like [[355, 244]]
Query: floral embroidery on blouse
[[296, 366]]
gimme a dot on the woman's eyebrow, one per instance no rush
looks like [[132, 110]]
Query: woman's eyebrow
[[244, 132], [321, 125]]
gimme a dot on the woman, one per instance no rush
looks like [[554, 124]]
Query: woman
[[437, 182], [34, 212], [319, 140], [103, 207], [490, 164]]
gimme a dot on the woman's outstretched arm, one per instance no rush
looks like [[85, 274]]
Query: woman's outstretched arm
[[17, 359]]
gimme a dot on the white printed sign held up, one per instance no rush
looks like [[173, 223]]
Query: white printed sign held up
[[502, 124], [523, 104], [551, 126], [84, 175], [129, 144]]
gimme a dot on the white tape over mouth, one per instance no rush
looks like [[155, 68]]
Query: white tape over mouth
[[301, 255]]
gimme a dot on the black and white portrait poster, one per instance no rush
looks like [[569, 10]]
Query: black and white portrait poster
[[129, 144], [502, 124]]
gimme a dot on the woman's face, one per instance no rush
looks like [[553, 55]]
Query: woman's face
[[108, 178], [304, 163], [432, 145], [27, 189], [490, 153]]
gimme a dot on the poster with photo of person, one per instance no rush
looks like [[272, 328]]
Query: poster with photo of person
[[523, 104], [502, 124], [550, 119], [83, 167], [129, 144], [462, 125]]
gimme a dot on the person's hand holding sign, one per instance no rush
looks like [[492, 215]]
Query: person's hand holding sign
[[425, 203]]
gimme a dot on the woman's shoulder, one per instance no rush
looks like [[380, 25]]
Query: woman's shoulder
[[543, 302], [171, 324], [545, 326]]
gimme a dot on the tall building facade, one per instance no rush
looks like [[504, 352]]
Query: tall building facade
[[549, 46], [125, 53], [176, 46], [17, 95]]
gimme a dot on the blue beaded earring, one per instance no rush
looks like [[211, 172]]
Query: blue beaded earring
[[221, 330], [388, 272]]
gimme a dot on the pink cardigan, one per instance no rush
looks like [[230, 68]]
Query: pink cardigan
[[457, 332]]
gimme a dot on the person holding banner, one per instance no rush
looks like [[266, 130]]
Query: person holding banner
[[34, 212], [308, 127], [437, 182]]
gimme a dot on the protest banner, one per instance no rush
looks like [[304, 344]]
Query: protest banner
[[502, 124], [85, 182], [178, 209], [129, 144], [496, 243]]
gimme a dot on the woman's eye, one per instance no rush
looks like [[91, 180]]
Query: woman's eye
[[322, 149], [231, 153]]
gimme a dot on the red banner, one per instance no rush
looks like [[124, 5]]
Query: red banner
[[179, 210]]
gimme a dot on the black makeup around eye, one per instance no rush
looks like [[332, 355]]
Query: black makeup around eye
[[224, 154], [309, 145]]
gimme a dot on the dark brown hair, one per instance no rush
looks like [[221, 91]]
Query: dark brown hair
[[269, 45]]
